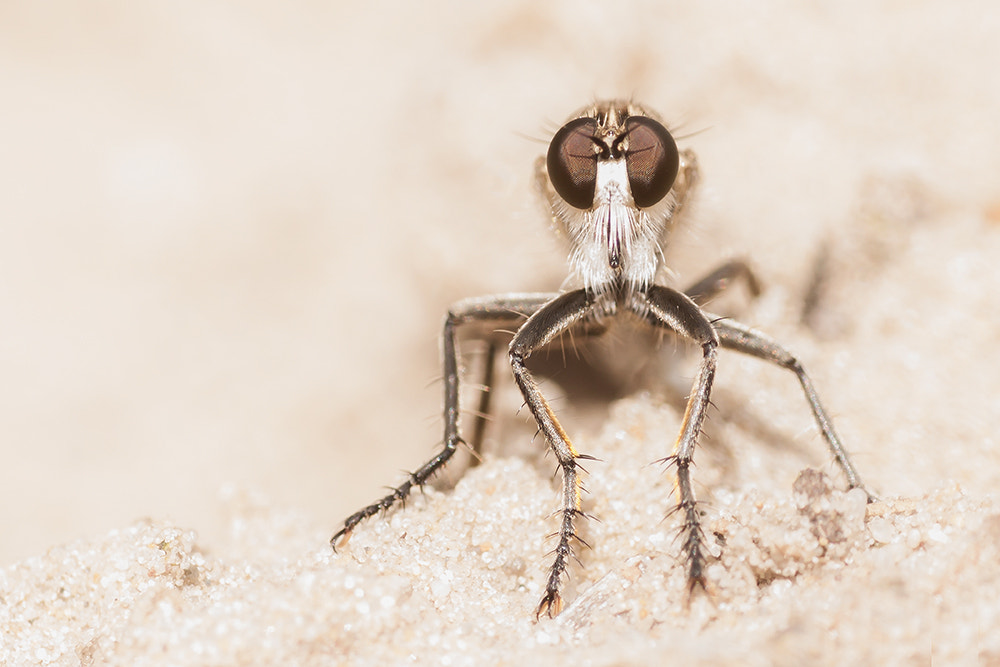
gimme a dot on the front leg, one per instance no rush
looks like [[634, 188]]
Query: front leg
[[499, 309], [668, 308], [552, 320]]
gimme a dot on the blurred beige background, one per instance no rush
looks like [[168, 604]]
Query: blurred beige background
[[229, 230]]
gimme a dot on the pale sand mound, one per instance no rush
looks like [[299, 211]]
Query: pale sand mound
[[802, 579]]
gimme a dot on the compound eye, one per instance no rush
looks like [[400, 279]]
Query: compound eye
[[572, 162], [651, 160]]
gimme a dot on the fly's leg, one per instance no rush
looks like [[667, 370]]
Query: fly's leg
[[739, 337], [668, 308], [718, 280], [553, 319], [499, 309], [485, 399]]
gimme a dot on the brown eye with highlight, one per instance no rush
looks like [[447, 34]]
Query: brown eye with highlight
[[651, 160], [572, 162]]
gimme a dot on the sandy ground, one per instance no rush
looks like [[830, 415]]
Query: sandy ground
[[229, 232]]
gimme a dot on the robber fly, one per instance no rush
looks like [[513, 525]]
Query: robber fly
[[615, 182]]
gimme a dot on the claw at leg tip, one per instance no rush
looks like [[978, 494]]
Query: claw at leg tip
[[342, 537], [550, 605]]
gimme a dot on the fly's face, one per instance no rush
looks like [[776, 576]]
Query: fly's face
[[611, 179]]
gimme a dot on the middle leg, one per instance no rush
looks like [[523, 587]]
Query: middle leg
[[493, 309], [739, 337]]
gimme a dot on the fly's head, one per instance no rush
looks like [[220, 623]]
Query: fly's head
[[614, 178]]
